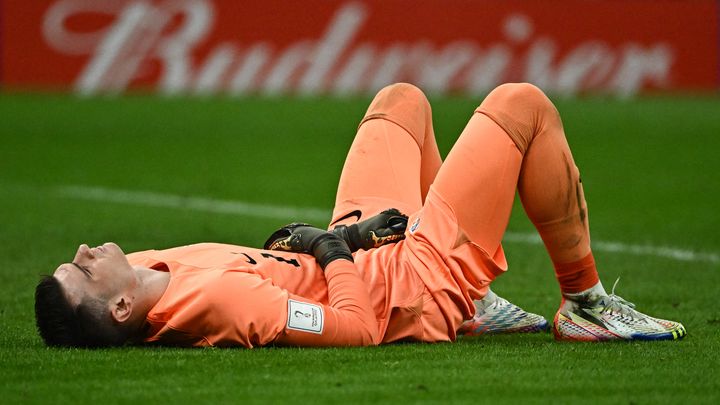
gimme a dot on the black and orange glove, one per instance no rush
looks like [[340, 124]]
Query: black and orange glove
[[384, 228], [305, 238]]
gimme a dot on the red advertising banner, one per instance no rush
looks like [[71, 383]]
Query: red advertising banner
[[347, 47]]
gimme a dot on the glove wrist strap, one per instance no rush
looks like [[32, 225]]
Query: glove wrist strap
[[351, 235], [329, 248]]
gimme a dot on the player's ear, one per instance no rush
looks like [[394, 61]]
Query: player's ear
[[121, 308]]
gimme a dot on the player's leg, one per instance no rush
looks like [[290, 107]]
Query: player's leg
[[548, 181], [552, 195], [539, 124], [393, 158], [455, 238], [539, 162]]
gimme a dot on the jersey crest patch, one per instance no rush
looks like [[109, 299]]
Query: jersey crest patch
[[305, 317]]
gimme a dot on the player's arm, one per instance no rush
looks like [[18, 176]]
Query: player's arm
[[244, 309], [349, 319]]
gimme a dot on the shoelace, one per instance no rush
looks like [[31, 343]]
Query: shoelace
[[500, 302], [618, 305]]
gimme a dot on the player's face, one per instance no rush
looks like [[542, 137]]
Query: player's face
[[102, 271]]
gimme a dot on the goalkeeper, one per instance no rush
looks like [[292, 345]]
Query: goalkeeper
[[309, 288]]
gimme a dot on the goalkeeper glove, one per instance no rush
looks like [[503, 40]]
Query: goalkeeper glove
[[304, 238], [386, 227]]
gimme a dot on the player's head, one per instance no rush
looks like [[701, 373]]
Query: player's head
[[88, 302]]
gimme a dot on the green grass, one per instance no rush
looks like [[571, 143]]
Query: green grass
[[651, 177]]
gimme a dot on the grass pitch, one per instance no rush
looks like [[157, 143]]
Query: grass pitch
[[651, 177]]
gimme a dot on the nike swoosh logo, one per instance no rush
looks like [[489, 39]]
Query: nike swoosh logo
[[356, 213]]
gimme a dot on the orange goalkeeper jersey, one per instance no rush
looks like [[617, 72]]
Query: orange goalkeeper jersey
[[420, 289], [226, 295]]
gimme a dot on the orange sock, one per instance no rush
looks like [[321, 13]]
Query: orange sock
[[577, 276]]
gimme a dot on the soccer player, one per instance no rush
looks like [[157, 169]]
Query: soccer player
[[310, 289]]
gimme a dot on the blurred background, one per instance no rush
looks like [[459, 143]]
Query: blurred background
[[466, 47]]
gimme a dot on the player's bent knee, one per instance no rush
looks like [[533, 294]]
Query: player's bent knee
[[525, 99], [521, 109], [405, 105], [401, 93]]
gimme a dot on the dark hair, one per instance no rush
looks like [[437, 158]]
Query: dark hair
[[61, 325]]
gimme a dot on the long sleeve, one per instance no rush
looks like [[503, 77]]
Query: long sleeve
[[226, 295], [234, 308], [347, 320]]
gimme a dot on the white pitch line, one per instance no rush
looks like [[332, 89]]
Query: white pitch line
[[151, 199], [624, 248], [163, 200]]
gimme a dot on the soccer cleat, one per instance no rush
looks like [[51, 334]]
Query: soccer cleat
[[609, 317], [494, 314]]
